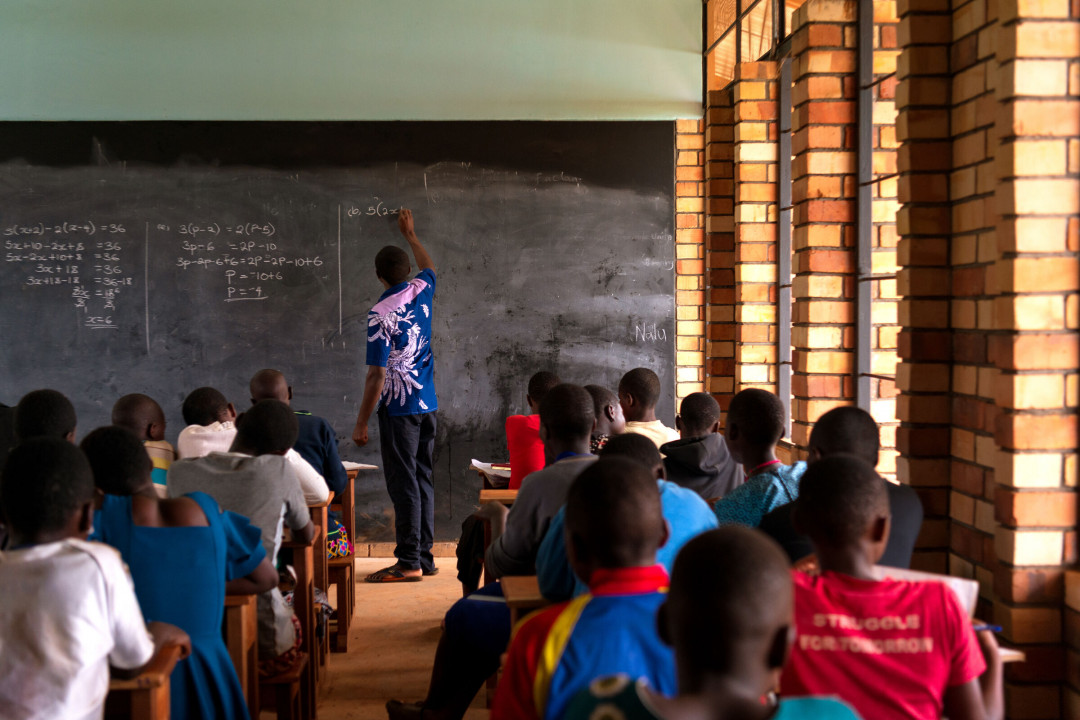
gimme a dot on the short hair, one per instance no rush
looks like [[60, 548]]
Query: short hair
[[728, 585], [613, 512], [45, 480], [118, 460], [204, 406], [270, 426], [839, 496], [135, 411], [699, 412], [634, 446], [602, 398], [567, 413], [392, 264], [643, 385], [540, 384], [44, 413], [847, 429], [268, 384], [759, 415]]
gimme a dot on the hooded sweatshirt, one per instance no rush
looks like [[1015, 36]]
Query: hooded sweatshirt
[[703, 465]]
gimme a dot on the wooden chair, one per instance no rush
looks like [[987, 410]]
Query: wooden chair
[[342, 571], [319, 519], [284, 692], [145, 696], [304, 608], [240, 626], [506, 497]]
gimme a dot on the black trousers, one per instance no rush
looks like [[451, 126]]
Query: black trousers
[[408, 444]]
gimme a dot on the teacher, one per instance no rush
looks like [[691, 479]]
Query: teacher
[[400, 383]]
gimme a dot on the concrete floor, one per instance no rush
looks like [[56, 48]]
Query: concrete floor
[[391, 644]]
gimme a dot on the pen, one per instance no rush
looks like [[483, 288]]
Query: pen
[[991, 628]]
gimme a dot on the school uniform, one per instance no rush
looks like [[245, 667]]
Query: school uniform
[[399, 339], [557, 651], [161, 454], [765, 489], [67, 611], [317, 444], [655, 430], [524, 446]]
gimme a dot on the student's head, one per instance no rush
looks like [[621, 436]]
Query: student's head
[[268, 428], [44, 413], [699, 415], [539, 385], [392, 265], [141, 415], [639, 391], [118, 460], [269, 385], [47, 491], [849, 430], [638, 448], [729, 609], [613, 517], [566, 418], [843, 507], [755, 422], [206, 406], [610, 419]]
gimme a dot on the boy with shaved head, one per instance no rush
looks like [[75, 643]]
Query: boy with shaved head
[[639, 392], [143, 416], [610, 420], [700, 459], [728, 617]]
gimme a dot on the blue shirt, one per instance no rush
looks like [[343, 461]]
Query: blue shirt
[[687, 516], [762, 492], [317, 443], [399, 339]]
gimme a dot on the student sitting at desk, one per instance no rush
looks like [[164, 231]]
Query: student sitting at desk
[[639, 391], [211, 428], [523, 442], [184, 555], [614, 525], [253, 479], [891, 648], [700, 460], [67, 610], [728, 617], [141, 415], [685, 513], [610, 420]]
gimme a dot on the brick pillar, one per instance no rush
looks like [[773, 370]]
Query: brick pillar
[[720, 242], [924, 224], [756, 210], [1037, 351], [823, 194], [689, 258]]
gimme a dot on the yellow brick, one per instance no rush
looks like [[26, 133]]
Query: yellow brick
[[1029, 547], [818, 286], [985, 450], [756, 314], [1029, 470], [687, 374], [1031, 312], [689, 327], [1047, 78], [965, 379], [690, 358], [962, 445]]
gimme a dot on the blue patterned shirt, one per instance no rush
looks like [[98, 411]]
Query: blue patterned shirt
[[762, 492], [399, 339]]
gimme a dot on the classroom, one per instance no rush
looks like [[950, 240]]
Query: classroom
[[864, 203]]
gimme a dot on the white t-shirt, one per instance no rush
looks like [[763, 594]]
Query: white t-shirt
[[67, 611], [201, 440], [655, 430]]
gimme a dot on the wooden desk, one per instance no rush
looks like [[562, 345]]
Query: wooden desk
[[304, 608], [240, 627], [522, 593], [145, 696], [1011, 655], [319, 520], [506, 497]]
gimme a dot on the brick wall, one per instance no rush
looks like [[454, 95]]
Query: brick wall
[[720, 244], [689, 258]]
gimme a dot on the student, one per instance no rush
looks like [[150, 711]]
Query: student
[[728, 616], [401, 383], [44, 413], [67, 610], [316, 442], [184, 555], [755, 423], [477, 627], [141, 415], [700, 460], [211, 428], [851, 430], [685, 513], [639, 391], [523, 441], [610, 420], [891, 648], [253, 479], [614, 525]]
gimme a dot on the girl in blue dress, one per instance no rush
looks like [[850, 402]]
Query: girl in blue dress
[[184, 555]]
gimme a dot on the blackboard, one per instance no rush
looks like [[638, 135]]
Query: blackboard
[[157, 257]]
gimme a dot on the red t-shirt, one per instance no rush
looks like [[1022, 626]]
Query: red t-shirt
[[526, 449], [889, 648]]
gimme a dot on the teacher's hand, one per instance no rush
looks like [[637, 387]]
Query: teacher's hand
[[360, 435]]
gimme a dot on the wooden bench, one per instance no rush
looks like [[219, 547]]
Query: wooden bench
[[319, 519], [342, 571], [240, 627], [506, 497], [284, 692], [304, 608], [145, 696]]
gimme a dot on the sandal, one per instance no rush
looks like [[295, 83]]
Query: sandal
[[398, 710], [391, 574], [432, 571]]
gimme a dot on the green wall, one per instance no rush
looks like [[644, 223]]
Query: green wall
[[349, 59]]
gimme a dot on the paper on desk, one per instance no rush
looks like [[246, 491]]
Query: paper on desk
[[349, 465], [489, 469], [966, 591]]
